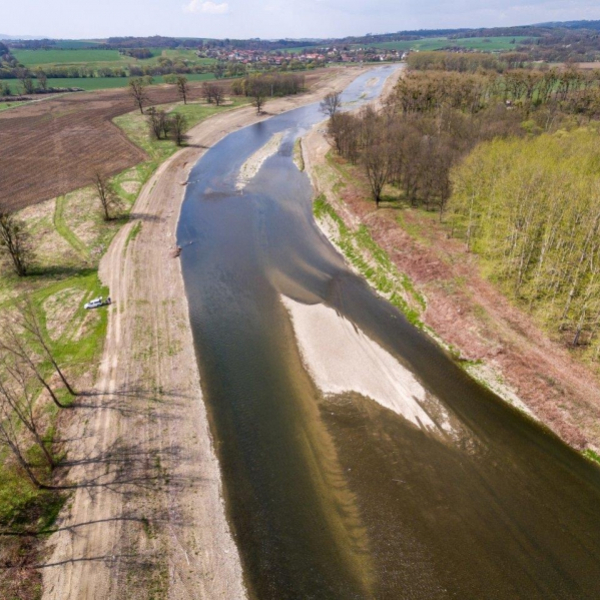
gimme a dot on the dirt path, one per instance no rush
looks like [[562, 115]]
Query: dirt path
[[149, 521]]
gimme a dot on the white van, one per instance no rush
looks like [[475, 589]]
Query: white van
[[95, 303]]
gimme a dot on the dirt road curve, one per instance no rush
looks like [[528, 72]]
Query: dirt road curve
[[149, 521]]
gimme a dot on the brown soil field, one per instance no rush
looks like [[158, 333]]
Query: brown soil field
[[52, 147]]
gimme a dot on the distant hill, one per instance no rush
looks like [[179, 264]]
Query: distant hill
[[4, 36]]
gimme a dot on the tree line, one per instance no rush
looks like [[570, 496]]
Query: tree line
[[435, 118], [28, 371]]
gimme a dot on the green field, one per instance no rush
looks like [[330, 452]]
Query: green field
[[32, 58], [99, 58], [486, 44], [99, 83]]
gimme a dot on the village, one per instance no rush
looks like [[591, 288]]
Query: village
[[311, 56]]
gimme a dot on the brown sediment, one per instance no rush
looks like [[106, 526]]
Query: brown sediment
[[150, 519]]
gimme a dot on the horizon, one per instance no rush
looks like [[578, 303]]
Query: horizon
[[276, 19]]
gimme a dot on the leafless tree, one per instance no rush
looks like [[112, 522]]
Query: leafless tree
[[104, 195], [182, 87], [15, 242], [159, 123], [24, 76], [376, 161], [29, 321], [213, 93], [9, 438], [42, 79], [218, 95], [18, 402], [137, 90], [178, 126], [258, 91], [13, 343], [331, 104]]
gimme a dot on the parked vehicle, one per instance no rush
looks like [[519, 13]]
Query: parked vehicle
[[97, 302]]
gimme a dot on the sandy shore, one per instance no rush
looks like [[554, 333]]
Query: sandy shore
[[150, 521], [341, 358], [252, 166]]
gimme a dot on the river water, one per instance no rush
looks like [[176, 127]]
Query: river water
[[337, 497]]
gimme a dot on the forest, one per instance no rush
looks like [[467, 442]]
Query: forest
[[531, 209], [510, 161]]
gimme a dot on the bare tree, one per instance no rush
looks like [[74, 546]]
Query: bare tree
[[9, 438], [15, 242], [258, 91], [30, 323], [218, 95], [137, 90], [178, 127], [331, 104], [13, 343], [104, 195], [24, 76], [19, 402], [213, 93], [42, 79], [182, 87], [376, 161], [159, 123]]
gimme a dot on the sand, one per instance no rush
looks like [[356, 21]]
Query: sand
[[252, 166], [342, 358]]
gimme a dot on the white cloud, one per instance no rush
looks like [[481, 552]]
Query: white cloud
[[208, 7]]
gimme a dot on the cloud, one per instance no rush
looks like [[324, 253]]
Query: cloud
[[207, 7]]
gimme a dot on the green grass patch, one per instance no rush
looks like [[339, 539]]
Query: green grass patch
[[133, 233], [90, 84], [7, 105], [23, 506], [66, 232], [373, 263], [591, 455], [32, 58]]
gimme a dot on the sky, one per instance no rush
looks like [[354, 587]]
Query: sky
[[270, 19]]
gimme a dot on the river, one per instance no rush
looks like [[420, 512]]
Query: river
[[336, 496]]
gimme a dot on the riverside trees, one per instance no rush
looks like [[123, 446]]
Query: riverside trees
[[15, 242], [511, 159]]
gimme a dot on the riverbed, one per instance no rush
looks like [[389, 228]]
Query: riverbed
[[358, 460]]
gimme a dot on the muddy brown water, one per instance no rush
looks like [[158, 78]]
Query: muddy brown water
[[338, 497]]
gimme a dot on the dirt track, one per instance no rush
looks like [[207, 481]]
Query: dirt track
[[150, 520]]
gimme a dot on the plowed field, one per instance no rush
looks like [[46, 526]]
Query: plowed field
[[54, 146]]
